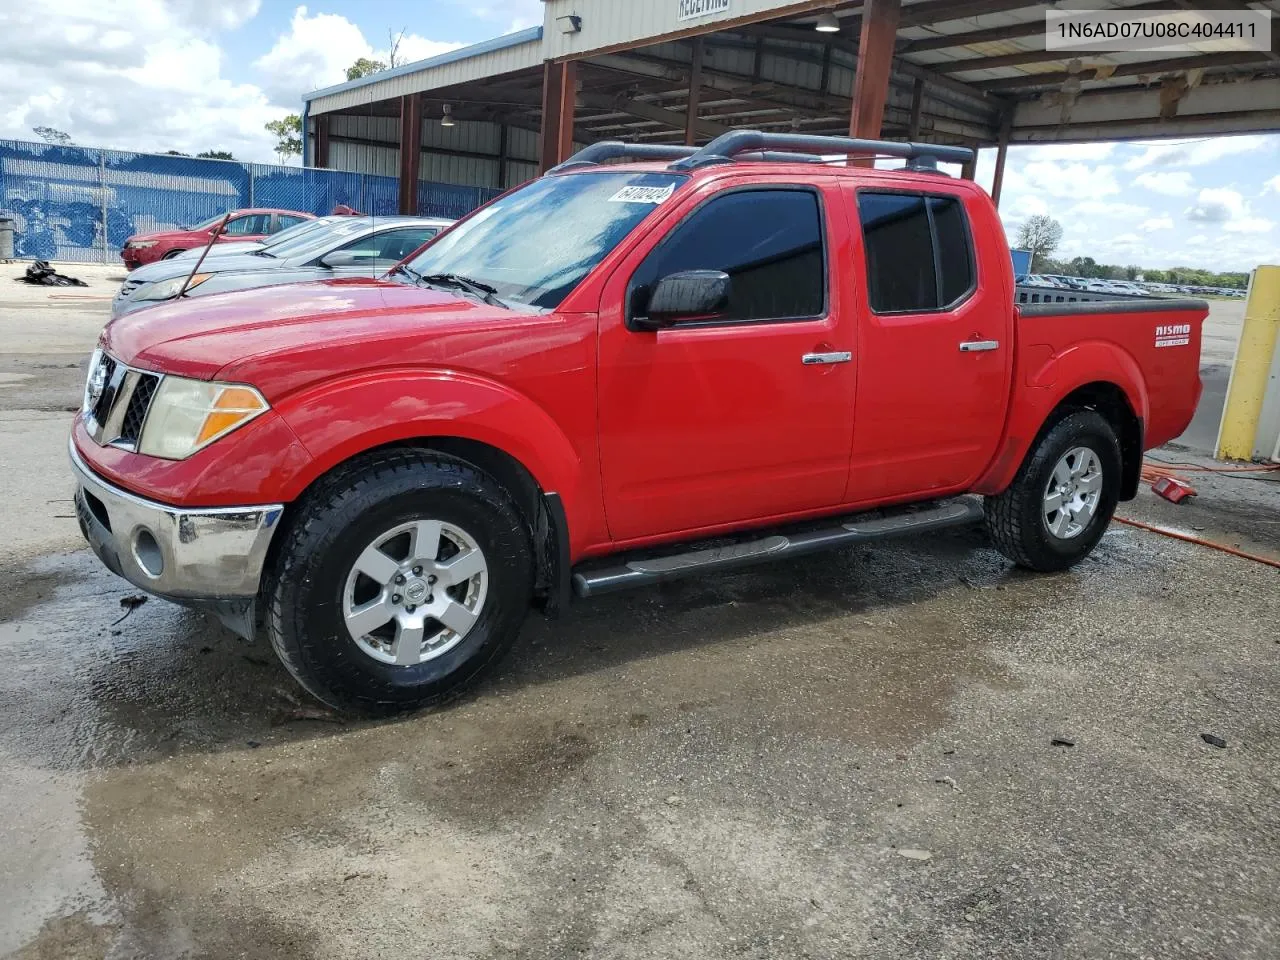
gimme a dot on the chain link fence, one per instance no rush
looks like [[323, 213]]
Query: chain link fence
[[81, 204]]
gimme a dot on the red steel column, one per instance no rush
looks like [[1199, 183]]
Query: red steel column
[[559, 91], [410, 151], [875, 60]]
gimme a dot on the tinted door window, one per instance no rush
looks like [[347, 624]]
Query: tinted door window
[[284, 221], [249, 225], [955, 254], [919, 255], [769, 242], [391, 244]]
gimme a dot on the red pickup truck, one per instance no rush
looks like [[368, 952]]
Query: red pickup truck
[[610, 376]]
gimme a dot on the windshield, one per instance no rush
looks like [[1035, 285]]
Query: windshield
[[323, 240], [535, 245], [296, 232], [207, 223]]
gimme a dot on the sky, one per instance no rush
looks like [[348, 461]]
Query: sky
[[192, 75]]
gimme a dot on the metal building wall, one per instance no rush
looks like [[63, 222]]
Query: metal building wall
[[611, 23], [371, 145]]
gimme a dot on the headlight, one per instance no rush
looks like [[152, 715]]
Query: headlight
[[141, 244], [188, 415], [167, 289]]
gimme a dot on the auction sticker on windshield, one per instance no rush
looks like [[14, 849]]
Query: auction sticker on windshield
[[643, 194]]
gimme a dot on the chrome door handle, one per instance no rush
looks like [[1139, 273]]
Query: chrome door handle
[[979, 346], [837, 357]]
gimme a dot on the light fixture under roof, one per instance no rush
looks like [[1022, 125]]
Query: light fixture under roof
[[447, 119], [827, 23]]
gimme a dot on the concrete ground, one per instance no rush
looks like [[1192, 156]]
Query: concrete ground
[[863, 754]]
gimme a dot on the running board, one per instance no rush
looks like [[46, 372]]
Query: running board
[[592, 581]]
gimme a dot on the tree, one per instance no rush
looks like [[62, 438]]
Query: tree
[[214, 155], [288, 134], [176, 153], [52, 135], [363, 67], [1041, 235]]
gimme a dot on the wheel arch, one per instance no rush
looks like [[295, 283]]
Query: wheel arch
[[542, 510]]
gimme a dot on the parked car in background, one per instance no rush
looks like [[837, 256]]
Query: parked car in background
[[287, 235], [355, 247], [612, 376], [253, 224]]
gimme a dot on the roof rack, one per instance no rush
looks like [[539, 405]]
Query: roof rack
[[613, 149], [728, 146], [597, 153]]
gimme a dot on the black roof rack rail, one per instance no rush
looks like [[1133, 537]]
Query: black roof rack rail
[[613, 149], [727, 146]]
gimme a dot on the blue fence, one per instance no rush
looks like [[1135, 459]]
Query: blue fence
[[81, 204]]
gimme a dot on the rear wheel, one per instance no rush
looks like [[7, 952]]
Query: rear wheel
[[1058, 507], [403, 578]]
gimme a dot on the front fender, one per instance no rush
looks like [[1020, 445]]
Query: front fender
[[1043, 387], [340, 419]]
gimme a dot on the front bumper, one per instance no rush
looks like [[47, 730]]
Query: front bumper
[[210, 556]]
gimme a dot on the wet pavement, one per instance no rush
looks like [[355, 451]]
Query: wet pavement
[[847, 755]]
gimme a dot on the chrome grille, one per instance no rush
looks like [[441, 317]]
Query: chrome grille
[[118, 414]]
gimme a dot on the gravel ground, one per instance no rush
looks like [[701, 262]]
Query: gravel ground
[[849, 755]]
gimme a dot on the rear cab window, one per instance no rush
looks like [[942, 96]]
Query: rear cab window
[[918, 251]]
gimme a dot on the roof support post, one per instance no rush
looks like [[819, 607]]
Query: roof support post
[[875, 63], [1002, 154], [559, 91], [917, 106], [410, 152], [322, 140], [695, 87]]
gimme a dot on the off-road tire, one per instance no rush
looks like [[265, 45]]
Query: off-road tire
[[1015, 519], [333, 523]]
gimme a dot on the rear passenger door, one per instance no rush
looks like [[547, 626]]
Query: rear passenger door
[[936, 350]]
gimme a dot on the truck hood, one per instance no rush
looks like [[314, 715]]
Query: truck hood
[[282, 337]]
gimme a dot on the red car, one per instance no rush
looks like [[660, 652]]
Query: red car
[[612, 376], [242, 225]]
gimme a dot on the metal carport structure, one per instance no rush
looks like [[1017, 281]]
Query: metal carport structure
[[973, 72]]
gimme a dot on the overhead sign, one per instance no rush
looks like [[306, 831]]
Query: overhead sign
[[694, 9]]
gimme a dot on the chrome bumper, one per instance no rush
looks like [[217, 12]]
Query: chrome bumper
[[205, 554]]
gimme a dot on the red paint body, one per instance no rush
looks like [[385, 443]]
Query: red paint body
[[170, 241], [652, 437]]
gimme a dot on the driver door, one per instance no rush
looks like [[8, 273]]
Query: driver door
[[730, 420]]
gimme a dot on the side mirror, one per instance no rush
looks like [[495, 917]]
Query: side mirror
[[688, 295], [344, 258]]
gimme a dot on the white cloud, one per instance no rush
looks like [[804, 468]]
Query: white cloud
[[1156, 223], [1195, 153], [1272, 185], [1174, 183], [1070, 179], [1248, 225], [133, 74], [317, 51], [1217, 205]]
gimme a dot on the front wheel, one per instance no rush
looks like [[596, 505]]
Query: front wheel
[[171, 254], [1058, 506], [403, 577]]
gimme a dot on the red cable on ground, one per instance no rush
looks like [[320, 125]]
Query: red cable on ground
[[1198, 541]]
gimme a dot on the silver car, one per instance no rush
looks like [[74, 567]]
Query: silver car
[[287, 235], [357, 247]]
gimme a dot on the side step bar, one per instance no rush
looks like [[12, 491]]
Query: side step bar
[[591, 581]]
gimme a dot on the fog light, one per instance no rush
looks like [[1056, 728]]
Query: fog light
[[147, 552]]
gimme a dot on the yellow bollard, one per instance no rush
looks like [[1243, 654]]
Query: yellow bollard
[[1251, 371]]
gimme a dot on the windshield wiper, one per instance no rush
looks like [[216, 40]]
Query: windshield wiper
[[482, 290], [408, 271]]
